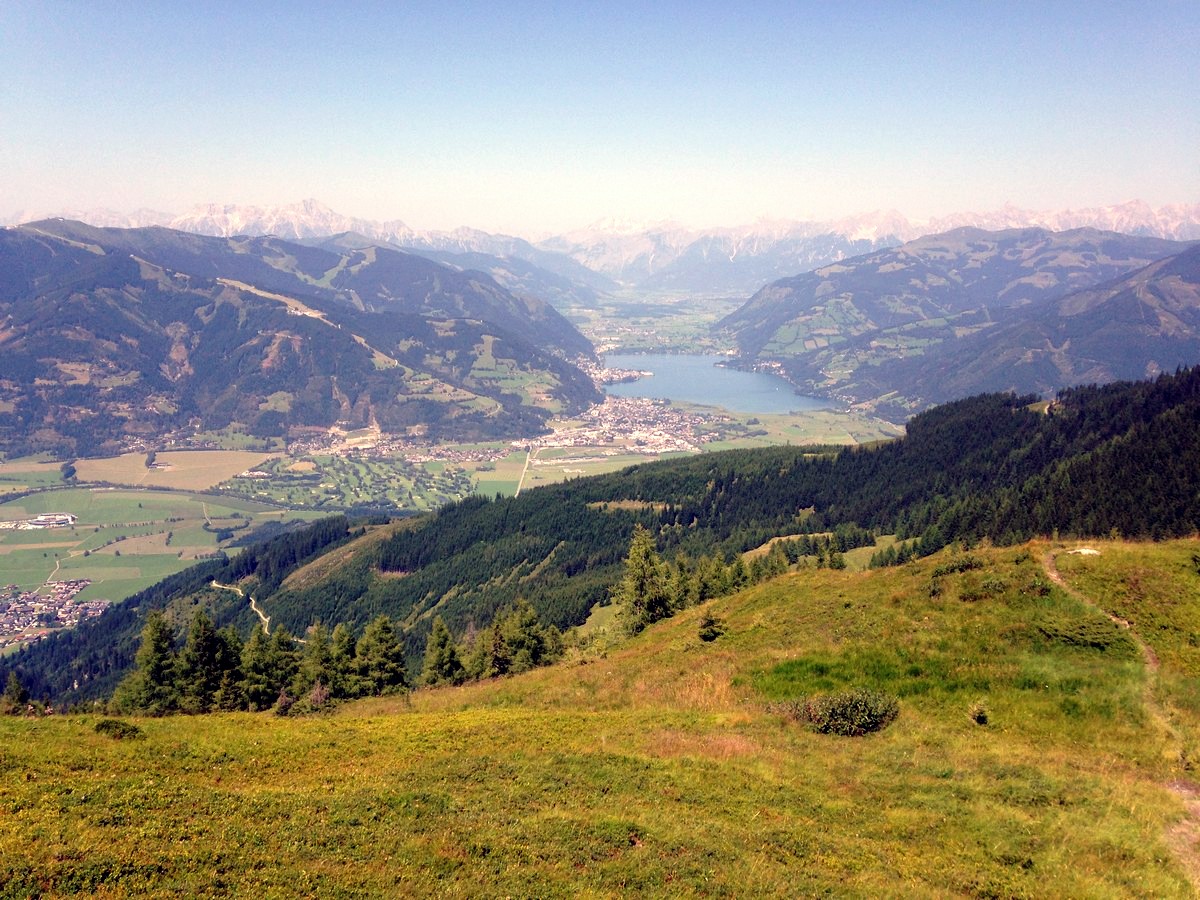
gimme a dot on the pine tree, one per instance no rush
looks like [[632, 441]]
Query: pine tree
[[379, 658], [683, 587], [316, 661], [343, 680], [739, 575], [527, 639], [198, 675], [284, 660], [258, 671], [494, 650], [150, 688], [15, 696], [642, 594], [442, 664]]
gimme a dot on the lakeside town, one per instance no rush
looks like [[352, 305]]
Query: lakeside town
[[618, 424]]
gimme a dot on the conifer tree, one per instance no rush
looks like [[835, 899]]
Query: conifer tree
[[258, 676], [199, 671], [497, 660], [683, 588], [316, 661], [343, 680], [739, 575], [15, 696], [442, 664], [527, 639], [283, 659], [150, 688], [379, 658], [642, 594], [229, 694]]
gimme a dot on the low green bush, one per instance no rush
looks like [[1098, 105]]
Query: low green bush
[[711, 627], [958, 564], [119, 730], [850, 713]]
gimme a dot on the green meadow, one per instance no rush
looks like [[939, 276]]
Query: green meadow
[[1036, 753]]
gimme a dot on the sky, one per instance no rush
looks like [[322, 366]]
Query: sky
[[533, 118]]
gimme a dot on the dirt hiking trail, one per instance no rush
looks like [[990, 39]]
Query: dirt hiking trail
[[1183, 837]]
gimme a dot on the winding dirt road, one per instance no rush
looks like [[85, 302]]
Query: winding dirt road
[[263, 617]]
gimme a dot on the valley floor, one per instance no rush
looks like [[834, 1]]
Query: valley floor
[[1035, 755]]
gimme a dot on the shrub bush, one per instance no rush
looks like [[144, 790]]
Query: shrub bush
[[958, 564], [850, 713], [119, 730], [711, 627]]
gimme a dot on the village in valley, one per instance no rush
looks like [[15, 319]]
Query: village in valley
[[614, 427], [28, 616]]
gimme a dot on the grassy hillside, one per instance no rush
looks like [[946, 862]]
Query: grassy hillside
[[658, 767]]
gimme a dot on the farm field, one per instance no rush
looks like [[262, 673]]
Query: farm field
[[123, 539], [28, 473], [193, 470], [1036, 752], [815, 427], [640, 322]]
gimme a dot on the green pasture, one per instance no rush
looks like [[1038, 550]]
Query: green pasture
[[1028, 760]]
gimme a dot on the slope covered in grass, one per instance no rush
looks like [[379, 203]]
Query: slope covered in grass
[[658, 766]]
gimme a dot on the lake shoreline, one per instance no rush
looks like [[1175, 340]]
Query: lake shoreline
[[710, 380]]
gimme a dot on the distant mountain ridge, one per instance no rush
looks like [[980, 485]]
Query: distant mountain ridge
[[666, 256], [970, 310], [111, 335]]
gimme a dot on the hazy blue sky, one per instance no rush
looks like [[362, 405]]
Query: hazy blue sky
[[536, 117]]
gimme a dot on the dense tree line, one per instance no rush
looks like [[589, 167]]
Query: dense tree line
[[215, 671], [650, 589]]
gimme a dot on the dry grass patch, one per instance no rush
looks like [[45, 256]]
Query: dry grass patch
[[670, 743], [182, 469]]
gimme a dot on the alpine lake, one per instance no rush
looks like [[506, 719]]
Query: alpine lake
[[701, 379]]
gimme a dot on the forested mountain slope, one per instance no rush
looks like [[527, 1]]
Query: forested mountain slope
[[1123, 457], [968, 311], [1132, 327], [112, 334]]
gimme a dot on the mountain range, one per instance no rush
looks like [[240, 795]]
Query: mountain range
[[659, 256], [110, 334], [971, 310]]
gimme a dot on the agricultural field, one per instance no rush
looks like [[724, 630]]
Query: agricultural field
[[648, 323], [17, 476], [123, 540], [555, 464], [819, 426], [1037, 751], [193, 470]]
